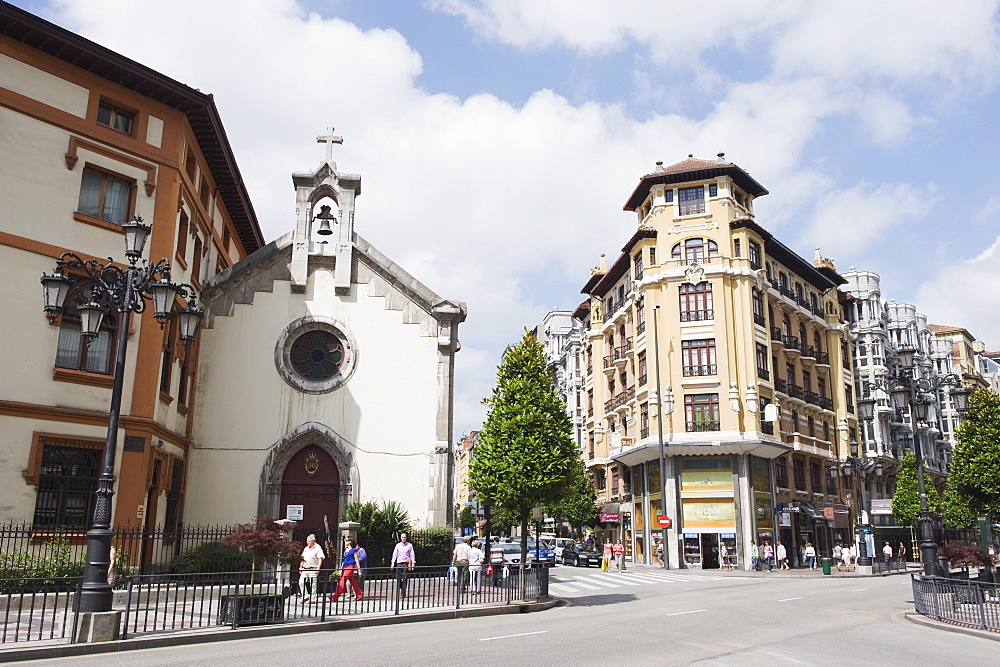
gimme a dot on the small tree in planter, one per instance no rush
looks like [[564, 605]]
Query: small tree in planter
[[264, 541], [965, 555], [266, 544]]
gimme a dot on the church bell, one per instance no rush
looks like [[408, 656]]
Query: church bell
[[324, 216]]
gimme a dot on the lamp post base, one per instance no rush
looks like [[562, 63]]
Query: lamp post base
[[865, 570], [98, 626], [96, 594]]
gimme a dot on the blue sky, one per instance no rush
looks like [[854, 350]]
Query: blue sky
[[497, 141]]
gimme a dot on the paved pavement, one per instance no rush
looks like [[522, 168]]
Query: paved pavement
[[716, 618]]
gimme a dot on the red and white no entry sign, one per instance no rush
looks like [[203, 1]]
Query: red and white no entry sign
[[665, 521]]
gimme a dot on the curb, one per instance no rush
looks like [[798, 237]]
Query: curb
[[920, 619], [75, 650]]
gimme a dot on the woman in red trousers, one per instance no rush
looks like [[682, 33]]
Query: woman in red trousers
[[349, 568]]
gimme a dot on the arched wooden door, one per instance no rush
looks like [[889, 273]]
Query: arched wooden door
[[311, 479]]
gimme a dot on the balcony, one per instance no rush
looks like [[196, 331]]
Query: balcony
[[781, 482], [698, 427], [776, 334], [759, 320], [609, 366], [825, 403], [802, 301], [644, 432], [791, 345], [795, 391], [817, 311], [780, 385], [822, 358], [692, 371], [808, 352], [767, 427], [642, 379], [696, 315], [640, 328], [811, 397], [785, 291], [800, 485]]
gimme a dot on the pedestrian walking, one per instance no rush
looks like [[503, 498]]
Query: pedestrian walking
[[496, 561], [769, 555], [618, 549], [887, 553], [754, 556], [607, 553], [402, 562], [838, 555], [658, 550], [350, 565], [309, 565], [901, 555], [810, 554], [476, 556], [782, 556], [460, 561]]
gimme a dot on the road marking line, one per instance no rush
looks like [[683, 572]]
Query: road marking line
[[523, 634], [587, 586], [790, 599], [598, 582], [562, 587], [855, 590], [693, 611]]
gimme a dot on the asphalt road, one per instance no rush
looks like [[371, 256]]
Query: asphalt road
[[680, 619]]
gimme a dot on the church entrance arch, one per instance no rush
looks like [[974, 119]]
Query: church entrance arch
[[311, 480]]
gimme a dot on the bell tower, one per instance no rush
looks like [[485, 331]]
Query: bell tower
[[322, 229]]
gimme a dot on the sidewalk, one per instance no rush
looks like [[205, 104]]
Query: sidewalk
[[48, 650], [799, 573]]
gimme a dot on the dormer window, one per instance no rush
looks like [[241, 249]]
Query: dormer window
[[692, 200], [116, 118]]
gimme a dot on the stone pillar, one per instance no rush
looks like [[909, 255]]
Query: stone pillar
[[98, 626]]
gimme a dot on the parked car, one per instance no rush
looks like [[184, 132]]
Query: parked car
[[581, 554], [558, 543], [512, 554]]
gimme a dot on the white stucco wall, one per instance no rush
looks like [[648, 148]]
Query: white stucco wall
[[386, 413]]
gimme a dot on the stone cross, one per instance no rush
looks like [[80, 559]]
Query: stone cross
[[329, 139]]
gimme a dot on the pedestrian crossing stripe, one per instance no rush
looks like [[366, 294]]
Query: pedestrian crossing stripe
[[617, 581], [598, 581]]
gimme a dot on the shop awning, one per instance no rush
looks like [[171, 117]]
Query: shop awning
[[650, 451]]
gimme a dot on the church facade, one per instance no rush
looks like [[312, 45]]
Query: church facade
[[327, 375]]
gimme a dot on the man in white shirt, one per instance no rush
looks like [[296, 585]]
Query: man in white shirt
[[311, 562], [460, 559]]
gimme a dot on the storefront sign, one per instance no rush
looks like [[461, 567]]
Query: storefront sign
[[609, 517], [716, 514], [827, 513], [784, 520], [881, 505]]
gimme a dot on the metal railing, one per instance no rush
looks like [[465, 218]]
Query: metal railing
[[696, 315], [883, 564], [36, 609], [704, 369], [700, 426], [156, 603], [973, 604]]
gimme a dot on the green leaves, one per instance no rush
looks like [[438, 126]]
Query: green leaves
[[974, 483], [906, 500], [526, 455]]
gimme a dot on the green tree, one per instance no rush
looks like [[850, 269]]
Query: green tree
[[906, 500], [580, 507], [526, 456], [381, 524], [974, 483], [466, 519]]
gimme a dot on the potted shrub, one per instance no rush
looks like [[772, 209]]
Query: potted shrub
[[266, 544]]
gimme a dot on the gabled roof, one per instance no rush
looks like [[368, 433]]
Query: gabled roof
[[199, 107], [692, 169]]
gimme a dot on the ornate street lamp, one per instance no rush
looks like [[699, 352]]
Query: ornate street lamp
[[916, 393], [127, 290], [860, 466]]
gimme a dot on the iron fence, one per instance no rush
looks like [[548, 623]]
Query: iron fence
[[40, 609], [158, 603], [37, 609], [974, 604], [883, 564]]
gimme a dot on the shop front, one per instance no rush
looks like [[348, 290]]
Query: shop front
[[708, 512]]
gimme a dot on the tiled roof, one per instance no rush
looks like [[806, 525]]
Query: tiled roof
[[693, 169]]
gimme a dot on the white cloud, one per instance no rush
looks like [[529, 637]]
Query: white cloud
[[964, 292], [845, 220]]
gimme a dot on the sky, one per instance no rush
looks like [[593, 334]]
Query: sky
[[498, 140]]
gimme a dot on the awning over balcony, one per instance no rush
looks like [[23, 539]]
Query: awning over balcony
[[649, 451]]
